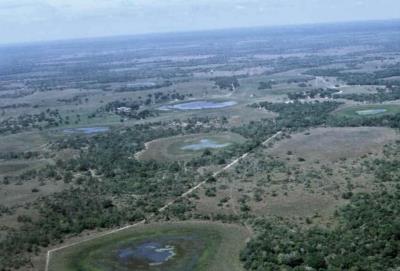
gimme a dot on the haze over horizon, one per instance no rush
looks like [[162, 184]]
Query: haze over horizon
[[45, 20]]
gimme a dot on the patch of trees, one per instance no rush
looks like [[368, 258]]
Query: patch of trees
[[45, 119], [266, 85], [390, 94], [313, 93], [77, 99], [134, 109], [17, 94], [130, 109], [144, 87], [160, 97], [4, 210], [15, 106], [325, 72], [392, 121], [292, 117], [367, 238], [257, 130], [222, 156], [361, 78], [19, 155], [227, 82], [300, 115]]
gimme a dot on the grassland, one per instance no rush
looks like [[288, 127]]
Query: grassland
[[215, 242], [332, 144], [357, 110], [302, 176], [23, 142]]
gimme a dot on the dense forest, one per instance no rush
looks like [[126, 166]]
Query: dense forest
[[367, 238]]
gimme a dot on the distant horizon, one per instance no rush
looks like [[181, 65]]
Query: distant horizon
[[210, 30], [25, 21]]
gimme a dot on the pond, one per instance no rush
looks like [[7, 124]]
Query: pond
[[180, 253], [205, 144], [142, 84], [151, 252], [86, 130], [198, 105], [370, 112]]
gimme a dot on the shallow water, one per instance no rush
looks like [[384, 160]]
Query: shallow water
[[370, 112], [198, 105], [151, 252], [205, 144], [86, 130], [142, 84]]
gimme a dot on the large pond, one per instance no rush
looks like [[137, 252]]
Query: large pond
[[198, 105], [205, 144], [370, 112], [152, 253], [86, 130]]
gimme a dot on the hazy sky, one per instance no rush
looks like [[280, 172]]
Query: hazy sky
[[33, 20]]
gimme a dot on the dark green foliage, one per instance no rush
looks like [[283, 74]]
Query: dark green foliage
[[314, 93], [392, 121], [391, 94], [367, 238], [265, 85], [362, 78], [45, 119], [227, 82], [144, 87], [296, 115]]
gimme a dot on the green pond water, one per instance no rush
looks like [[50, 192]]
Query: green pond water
[[370, 112]]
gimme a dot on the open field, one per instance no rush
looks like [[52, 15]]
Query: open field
[[332, 144], [24, 142], [186, 147], [368, 110], [196, 246]]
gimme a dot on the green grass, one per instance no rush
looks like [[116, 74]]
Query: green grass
[[23, 142], [352, 111], [217, 247]]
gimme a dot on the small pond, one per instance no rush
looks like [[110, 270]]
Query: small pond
[[86, 130], [370, 112], [205, 144], [198, 105], [142, 84]]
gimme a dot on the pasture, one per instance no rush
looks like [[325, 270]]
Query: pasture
[[373, 110], [331, 144]]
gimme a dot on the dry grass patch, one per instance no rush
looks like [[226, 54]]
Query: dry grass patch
[[332, 144]]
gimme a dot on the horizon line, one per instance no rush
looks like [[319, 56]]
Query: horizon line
[[182, 32]]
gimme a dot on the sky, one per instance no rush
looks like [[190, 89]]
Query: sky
[[42, 20]]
